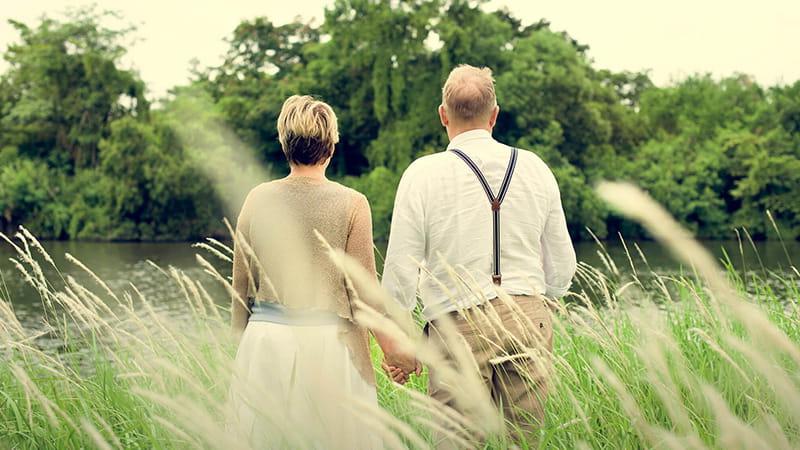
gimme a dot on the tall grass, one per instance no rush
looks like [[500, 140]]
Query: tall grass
[[644, 360]]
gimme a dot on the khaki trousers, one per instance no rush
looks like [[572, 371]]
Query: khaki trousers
[[510, 344]]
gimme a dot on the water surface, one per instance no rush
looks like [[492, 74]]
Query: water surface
[[123, 264]]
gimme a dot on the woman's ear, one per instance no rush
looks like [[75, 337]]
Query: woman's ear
[[328, 160]]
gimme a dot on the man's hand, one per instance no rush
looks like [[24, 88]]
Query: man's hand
[[396, 374], [401, 360], [399, 374]]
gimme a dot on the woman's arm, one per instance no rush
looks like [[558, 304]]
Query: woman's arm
[[361, 247], [242, 271]]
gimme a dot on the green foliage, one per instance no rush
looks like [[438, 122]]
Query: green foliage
[[718, 153], [64, 88], [379, 186], [26, 195], [90, 215], [722, 154], [685, 177], [82, 156], [157, 195]]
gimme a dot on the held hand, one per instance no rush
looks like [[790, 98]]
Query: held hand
[[397, 365], [396, 374], [406, 362], [399, 375]]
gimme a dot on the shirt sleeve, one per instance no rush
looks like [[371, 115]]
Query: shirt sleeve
[[557, 252], [242, 270], [360, 244], [406, 243]]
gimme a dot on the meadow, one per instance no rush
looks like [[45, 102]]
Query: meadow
[[704, 359]]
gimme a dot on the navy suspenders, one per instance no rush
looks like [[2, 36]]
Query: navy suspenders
[[495, 201]]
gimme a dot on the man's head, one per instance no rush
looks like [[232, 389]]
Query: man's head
[[468, 100], [308, 130]]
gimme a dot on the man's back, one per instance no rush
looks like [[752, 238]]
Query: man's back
[[447, 219], [443, 217]]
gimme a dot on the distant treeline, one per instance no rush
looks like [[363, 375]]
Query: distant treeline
[[84, 155]]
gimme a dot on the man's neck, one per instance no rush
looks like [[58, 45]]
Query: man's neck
[[453, 132]]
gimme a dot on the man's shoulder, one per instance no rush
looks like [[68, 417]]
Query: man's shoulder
[[531, 157], [426, 164], [532, 161], [431, 160]]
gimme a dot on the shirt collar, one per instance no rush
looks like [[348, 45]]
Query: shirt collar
[[467, 136]]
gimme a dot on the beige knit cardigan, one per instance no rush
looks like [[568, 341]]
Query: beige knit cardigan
[[279, 258]]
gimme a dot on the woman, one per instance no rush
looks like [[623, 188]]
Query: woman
[[302, 361]]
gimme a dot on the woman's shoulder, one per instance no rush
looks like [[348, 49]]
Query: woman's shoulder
[[347, 191], [265, 191], [263, 188], [331, 193], [355, 200]]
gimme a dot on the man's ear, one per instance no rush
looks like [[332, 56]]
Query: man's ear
[[443, 116], [493, 117]]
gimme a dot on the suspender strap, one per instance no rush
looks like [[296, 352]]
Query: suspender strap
[[495, 202]]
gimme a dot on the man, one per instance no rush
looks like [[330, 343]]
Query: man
[[468, 222]]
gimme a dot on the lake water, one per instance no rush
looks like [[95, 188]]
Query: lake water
[[122, 264]]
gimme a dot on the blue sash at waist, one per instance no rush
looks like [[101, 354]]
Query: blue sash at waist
[[276, 313]]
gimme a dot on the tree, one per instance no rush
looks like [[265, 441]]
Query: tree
[[251, 84], [64, 88], [157, 194], [32, 194], [82, 155]]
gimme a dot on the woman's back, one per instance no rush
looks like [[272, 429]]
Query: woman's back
[[283, 221], [299, 357]]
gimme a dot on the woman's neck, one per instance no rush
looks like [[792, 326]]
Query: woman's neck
[[303, 171]]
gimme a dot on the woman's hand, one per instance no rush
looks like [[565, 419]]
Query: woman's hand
[[398, 374], [397, 364]]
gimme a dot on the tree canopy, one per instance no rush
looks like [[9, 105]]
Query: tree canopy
[[83, 154]]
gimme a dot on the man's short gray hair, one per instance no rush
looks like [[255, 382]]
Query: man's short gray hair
[[468, 94]]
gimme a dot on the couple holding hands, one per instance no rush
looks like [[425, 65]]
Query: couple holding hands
[[478, 238]]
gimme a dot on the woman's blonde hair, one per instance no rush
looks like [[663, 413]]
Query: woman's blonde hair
[[307, 130]]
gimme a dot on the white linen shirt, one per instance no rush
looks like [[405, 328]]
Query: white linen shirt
[[440, 242]]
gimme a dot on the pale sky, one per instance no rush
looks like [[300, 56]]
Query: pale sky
[[670, 38]]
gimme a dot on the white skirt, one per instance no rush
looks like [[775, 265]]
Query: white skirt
[[297, 387]]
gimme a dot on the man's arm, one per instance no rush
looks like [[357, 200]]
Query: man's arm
[[557, 252], [406, 243], [400, 268]]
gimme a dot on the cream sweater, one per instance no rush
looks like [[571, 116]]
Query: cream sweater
[[288, 263]]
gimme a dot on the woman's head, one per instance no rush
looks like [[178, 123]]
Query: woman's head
[[308, 130]]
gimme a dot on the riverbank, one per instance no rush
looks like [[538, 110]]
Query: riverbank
[[120, 264]]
